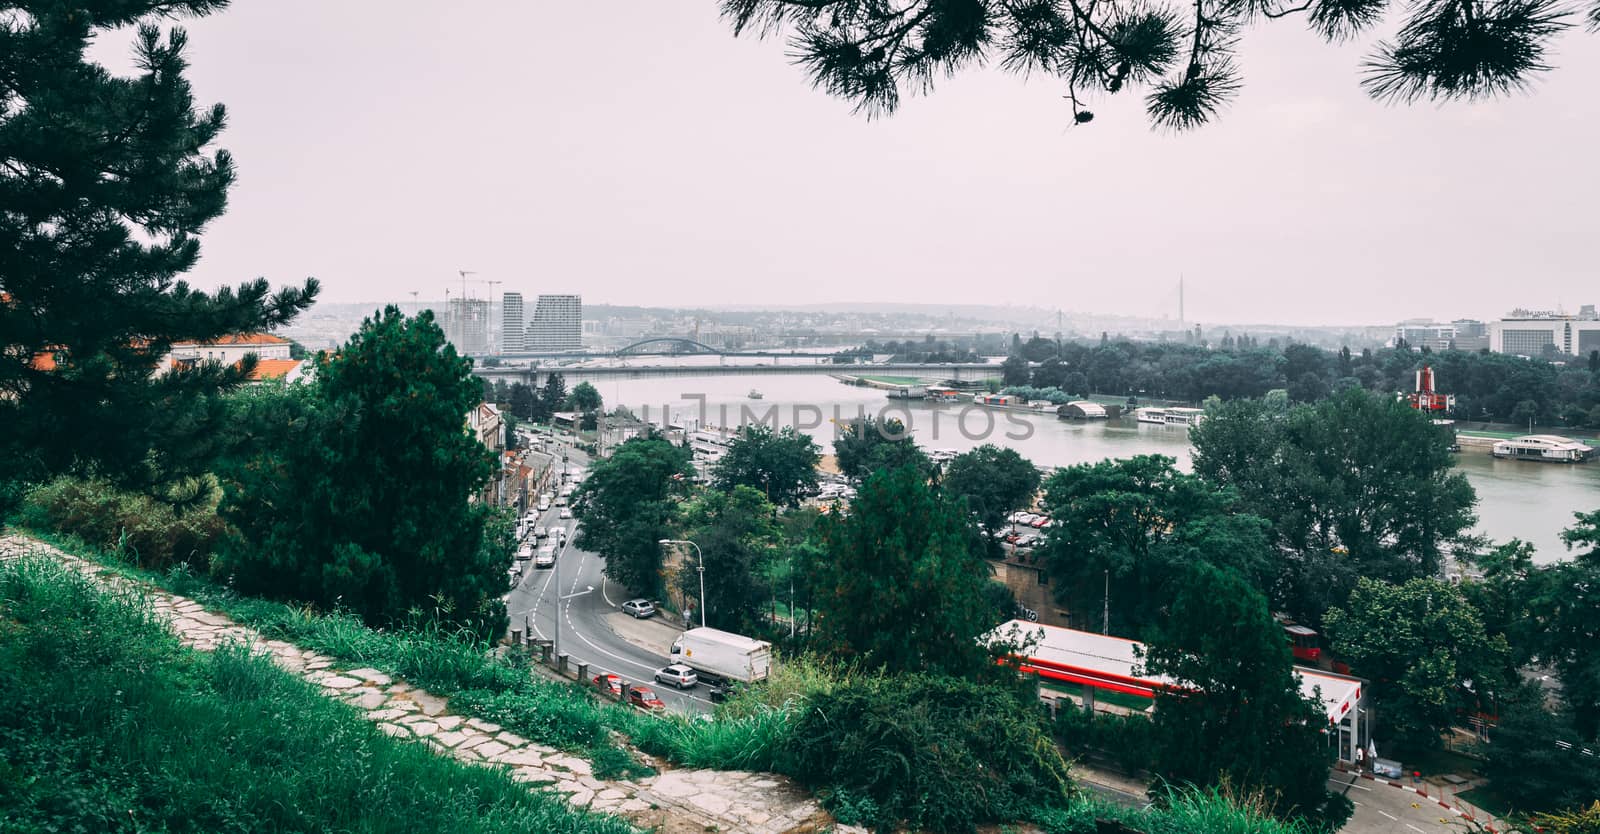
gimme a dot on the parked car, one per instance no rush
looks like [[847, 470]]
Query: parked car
[[514, 575], [546, 558], [609, 685], [639, 608], [645, 698], [1039, 523], [717, 692], [1013, 538], [541, 532], [678, 675], [566, 512], [524, 553]]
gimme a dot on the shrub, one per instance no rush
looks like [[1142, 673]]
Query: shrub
[[147, 532], [936, 753], [1126, 739], [1182, 811]]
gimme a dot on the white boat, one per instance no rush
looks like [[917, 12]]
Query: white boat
[[1151, 415], [1184, 416], [754, 394], [1543, 447]]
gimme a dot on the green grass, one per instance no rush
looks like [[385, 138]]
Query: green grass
[[1182, 812], [452, 664], [895, 380], [107, 724]]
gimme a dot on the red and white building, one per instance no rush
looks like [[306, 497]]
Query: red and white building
[[1101, 662]]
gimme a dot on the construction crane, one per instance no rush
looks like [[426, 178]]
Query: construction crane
[[489, 325]]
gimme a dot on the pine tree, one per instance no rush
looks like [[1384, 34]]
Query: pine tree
[[106, 183]]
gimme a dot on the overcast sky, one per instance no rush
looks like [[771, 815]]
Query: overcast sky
[[637, 153]]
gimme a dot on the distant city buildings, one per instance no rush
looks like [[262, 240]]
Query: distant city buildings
[[513, 334], [557, 323], [1539, 333], [1461, 334], [466, 325]]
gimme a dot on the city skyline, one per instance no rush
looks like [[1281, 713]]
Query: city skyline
[[691, 165]]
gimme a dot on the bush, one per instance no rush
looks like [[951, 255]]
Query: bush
[[130, 732], [147, 532], [935, 753], [1125, 739], [1183, 811]]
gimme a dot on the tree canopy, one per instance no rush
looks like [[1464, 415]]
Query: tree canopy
[[1182, 56], [902, 588], [1355, 485], [107, 183], [627, 504], [737, 533], [866, 445], [781, 464], [1239, 716], [994, 481], [354, 490]]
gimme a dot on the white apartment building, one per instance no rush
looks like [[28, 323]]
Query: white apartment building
[[227, 350], [513, 326], [557, 323], [1530, 333]]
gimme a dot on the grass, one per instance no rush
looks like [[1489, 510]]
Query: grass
[[107, 724], [895, 380], [452, 664], [1182, 812]]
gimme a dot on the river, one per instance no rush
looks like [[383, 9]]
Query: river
[[1530, 501]]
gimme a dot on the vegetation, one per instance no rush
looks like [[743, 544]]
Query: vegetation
[[902, 588], [1420, 642], [1355, 485], [931, 752], [1131, 530], [151, 534], [1176, 811], [130, 732], [995, 483], [1123, 739], [782, 464], [1528, 765], [1242, 722], [866, 444], [94, 237], [627, 504], [737, 534], [355, 490], [1182, 58]]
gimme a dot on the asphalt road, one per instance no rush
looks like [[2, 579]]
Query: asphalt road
[[585, 636]]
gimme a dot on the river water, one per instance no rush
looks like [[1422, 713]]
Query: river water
[[1530, 501]]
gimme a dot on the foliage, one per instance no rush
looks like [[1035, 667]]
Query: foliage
[[995, 482], [150, 533], [935, 753], [522, 400], [355, 490], [1526, 763], [1355, 485], [1580, 820], [552, 397], [737, 533], [1125, 739], [1424, 644], [1565, 601], [130, 732], [781, 464], [1215, 810], [901, 587], [1133, 528], [584, 398], [865, 445], [1241, 722], [627, 504], [1183, 58], [107, 183]]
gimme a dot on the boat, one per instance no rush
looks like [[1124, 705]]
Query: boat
[[1151, 415], [1082, 410], [754, 394], [908, 392], [1549, 448], [1184, 416]]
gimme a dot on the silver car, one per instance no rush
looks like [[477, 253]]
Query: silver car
[[678, 675], [639, 608]]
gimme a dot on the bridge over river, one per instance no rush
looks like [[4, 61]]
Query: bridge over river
[[932, 373]]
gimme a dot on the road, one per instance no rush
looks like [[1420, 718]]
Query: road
[[1384, 809], [585, 635]]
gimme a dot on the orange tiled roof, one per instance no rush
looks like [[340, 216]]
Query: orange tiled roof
[[236, 339], [273, 368], [44, 361]]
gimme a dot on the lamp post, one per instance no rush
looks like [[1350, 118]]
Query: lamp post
[[701, 567]]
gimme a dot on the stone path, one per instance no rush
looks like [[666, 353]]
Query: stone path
[[674, 800]]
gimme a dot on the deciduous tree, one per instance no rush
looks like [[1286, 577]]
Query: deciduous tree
[[781, 464], [995, 482], [866, 445], [737, 534], [627, 504]]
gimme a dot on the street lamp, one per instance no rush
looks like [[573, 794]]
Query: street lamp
[[701, 557]]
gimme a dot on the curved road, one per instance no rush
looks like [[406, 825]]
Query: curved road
[[586, 635]]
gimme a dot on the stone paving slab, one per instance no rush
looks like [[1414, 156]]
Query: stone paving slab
[[709, 800]]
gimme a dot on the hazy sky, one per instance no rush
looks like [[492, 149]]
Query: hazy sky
[[637, 153]]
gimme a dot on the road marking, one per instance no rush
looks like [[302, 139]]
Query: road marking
[[1414, 828], [603, 593], [1389, 815]]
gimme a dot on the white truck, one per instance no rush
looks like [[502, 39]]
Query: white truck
[[723, 655]]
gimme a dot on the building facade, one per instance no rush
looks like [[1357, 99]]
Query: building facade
[[557, 323], [228, 350], [1534, 334], [467, 325], [513, 326]]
